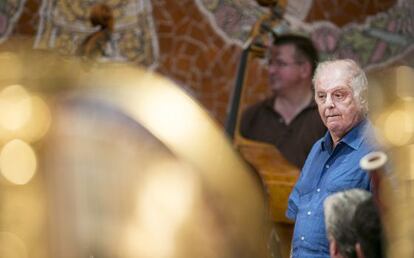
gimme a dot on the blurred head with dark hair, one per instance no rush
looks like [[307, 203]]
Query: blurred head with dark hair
[[292, 62], [339, 210], [304, 48], [368, 229], [353, 225]]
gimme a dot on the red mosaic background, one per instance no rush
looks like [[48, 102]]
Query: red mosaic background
[[195, 56]]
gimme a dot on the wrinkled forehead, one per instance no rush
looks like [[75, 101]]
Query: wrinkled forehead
[[333, 76]]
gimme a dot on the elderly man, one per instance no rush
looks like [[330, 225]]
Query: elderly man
[[333, 163]]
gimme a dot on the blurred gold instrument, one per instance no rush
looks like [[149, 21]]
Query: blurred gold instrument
[[106, 160], [391, 109]]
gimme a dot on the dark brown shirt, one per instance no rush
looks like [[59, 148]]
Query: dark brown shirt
[[261, 123]]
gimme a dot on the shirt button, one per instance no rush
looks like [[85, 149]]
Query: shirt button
[[318, 190], [302, 238], [309, 212], [327, 166]]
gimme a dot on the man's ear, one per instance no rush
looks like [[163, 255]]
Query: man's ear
[[333, 248], [358, 250]]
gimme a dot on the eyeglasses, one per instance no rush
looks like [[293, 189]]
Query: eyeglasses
[[281, 64]]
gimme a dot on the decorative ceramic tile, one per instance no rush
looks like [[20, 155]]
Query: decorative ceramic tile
[[197, 42], [64, 24], [10, 12], [234, 19], [380, 40], [379, 33]]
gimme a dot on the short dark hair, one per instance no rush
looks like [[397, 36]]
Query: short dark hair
[[304, 47], [368, 229]]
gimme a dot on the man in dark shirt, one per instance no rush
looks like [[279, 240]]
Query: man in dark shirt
[[289, 119]]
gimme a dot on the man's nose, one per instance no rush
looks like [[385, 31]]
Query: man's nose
[[272, 69], [329, 102]]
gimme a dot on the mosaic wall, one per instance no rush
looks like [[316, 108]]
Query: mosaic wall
[[64, 24], [378, 32], [10, 12], [197, 43]]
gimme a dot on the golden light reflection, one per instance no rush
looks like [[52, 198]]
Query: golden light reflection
[[411, 162], [12, 66], [164, 203], [11, 246], [185, 120], [18, 162], [174, 111], [398, 127], [404, 82], [38, 123], [15, 107], [22, 115]]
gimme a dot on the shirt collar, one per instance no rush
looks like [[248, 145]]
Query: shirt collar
[[269, 102], [353, 138]]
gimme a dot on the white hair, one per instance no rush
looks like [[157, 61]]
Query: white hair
[[356, 79]]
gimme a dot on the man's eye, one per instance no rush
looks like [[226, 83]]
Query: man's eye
[[321, 96], [339, 95]]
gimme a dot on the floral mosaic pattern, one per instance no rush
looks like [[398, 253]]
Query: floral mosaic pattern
[[233, 18], [10, 11], [201, 57], [64, 24], [382, 39], [379, 40]]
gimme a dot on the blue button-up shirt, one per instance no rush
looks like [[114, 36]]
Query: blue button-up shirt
[[327, 170]]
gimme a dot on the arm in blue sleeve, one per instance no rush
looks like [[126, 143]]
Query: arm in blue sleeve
[[294, 197], [293, 204]]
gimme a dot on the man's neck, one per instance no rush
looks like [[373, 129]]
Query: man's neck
[[337, 136], [335, 140], [289, 105]]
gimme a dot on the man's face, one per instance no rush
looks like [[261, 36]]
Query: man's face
[[338, 108], [284, 70]]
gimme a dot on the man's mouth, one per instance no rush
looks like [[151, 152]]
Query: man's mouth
[[332, 116]]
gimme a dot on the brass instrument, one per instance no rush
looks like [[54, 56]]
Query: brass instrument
[[106, 160]]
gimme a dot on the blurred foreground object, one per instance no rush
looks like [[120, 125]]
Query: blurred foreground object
[[113, 161], [392, 109]]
